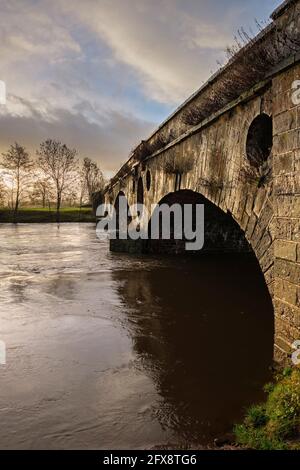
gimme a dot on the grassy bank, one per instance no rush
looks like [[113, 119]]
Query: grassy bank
[[38, 215], [275, 424]]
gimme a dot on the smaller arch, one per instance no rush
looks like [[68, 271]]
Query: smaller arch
[[148, 180], [117, 209], [259, 140], [140, 191]]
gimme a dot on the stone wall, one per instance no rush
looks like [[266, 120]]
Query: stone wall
[[211, 159], [286, 168]]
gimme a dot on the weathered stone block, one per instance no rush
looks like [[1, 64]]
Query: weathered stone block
[[285, 121], [286, 250], [269, 276], [283, 343], [244, 221], [287, 184], [282, 101], [249, 204], [298, 252], [285, 331], [282, 229], [260, 201], [287, 292], [287, 206], [283, 163], [287, 270], [288, 312], [295, 230], [267, 260], [264, 244], [285, 142], [250, 227]]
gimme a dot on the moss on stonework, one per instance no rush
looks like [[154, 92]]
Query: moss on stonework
[[275, 424]]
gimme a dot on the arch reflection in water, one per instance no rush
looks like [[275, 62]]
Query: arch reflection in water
[[203, 330]]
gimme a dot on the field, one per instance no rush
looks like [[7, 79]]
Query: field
[[40, 214]]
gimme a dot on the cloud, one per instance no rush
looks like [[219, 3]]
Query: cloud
[[170, 50], [101, 74], [172, 45], [91, 139]]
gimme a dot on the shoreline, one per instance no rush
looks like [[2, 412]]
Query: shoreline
[[43, 215]]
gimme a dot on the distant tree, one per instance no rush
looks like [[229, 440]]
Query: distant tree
[[92, 178], [42, 191], [82, 190], [3, 192], [17, 164], [58, 163], [71, 196]]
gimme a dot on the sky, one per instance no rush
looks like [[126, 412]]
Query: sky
[[100, 75]]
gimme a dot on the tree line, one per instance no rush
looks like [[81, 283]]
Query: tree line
[[54, 176]]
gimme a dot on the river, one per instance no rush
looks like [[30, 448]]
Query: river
[[118, 351]]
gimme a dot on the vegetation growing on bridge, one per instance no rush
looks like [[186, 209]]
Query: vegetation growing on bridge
[[276, 423], [172, 165], [250, 60], [147, 148]]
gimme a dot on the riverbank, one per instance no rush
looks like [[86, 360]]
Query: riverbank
[[44, 215], [271, 425], [274, 424]]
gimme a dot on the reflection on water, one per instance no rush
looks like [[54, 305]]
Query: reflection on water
[[114, 351]]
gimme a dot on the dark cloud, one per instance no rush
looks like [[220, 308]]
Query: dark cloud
[[109, 144]]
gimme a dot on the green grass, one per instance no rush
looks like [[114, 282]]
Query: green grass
[[274, 425], [40, 214]]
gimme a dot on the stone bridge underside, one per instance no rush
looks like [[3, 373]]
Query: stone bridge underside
[[243, 159]]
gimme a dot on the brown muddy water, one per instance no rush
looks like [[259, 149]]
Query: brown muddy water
[[125, 352]]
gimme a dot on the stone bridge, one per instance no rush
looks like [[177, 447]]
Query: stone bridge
[[235, 145]]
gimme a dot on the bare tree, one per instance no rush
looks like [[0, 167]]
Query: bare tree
[[82, 190], [17, 164], [59, 164], [42, 191], [71, 196], [3, 192], [93, 179]]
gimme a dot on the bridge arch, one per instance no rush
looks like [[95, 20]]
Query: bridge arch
[[140, 191], [222, 232], [259, 140], [148, 180], [117, 211], [117, 200]]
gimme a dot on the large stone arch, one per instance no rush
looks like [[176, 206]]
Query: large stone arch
[[229, 225], [221, 232]]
